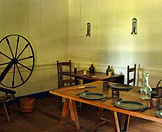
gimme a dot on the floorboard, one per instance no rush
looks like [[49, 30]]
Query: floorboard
[[46, 118]]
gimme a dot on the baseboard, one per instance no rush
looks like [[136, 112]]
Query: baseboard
[[36, 96]]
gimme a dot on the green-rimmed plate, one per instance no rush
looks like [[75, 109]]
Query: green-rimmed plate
[[93, 96], [130, 105], [121, 87]]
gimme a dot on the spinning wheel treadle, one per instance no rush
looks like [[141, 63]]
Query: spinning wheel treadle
[[16, 60]]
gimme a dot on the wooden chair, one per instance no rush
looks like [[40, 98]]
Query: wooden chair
[[4, 99], [63, 67], [131, 71]]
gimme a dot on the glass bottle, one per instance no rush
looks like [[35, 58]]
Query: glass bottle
[[91, 69], [108, 70], [112, 69], [146, 89]]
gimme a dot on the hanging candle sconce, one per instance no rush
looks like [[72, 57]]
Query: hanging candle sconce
[[88, 30], [134, 26]]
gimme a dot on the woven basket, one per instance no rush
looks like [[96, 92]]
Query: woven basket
[[27, 104]]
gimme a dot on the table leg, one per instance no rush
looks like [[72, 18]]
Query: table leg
[[99, 115], [126, 123], [64, 111], [116, 122], [121, 123], [73, 113]]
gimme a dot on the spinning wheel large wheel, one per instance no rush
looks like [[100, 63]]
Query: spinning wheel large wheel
[[16, 60]]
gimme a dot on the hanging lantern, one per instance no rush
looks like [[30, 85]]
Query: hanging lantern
[[88, 30], [134, 26]]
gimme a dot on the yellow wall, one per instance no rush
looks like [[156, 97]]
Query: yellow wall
[[45, 24], [111, 41], [57, 29]]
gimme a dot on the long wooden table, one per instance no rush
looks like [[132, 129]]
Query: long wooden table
[[70, 94], [97, 76]]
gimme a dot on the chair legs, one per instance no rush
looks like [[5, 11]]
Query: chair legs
[[6, 111]]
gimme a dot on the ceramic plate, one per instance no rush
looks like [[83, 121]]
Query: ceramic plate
[[130, 105], [93, 95], [121, 87]]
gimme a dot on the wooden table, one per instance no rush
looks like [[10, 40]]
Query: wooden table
[[97, 76], [70, 94]]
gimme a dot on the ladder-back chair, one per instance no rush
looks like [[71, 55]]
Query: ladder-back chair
[[131, 75], [62, 68]]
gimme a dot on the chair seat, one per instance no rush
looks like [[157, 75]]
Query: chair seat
[[6, 98]]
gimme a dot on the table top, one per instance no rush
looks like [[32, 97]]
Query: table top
[[97, 76], [132, 95]]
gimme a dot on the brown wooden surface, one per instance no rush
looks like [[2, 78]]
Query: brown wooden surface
[[46, 118], [97, 76], [133, 95]]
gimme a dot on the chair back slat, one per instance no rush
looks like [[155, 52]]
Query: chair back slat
[[60, 69], [130, 71]]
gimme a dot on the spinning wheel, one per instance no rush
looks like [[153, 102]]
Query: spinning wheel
[[16, 60]]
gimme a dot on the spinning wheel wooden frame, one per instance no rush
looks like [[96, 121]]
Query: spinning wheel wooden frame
[[16, 61]]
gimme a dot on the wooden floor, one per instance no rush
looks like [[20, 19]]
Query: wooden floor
[[46, 117]]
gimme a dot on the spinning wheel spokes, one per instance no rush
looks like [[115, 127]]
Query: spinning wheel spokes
[[25, 58], [13, 78], [5, 55], [19, 65], [25, 66], [17, 46], [9, 46], [4, 63], [22, 51], [20, 73]]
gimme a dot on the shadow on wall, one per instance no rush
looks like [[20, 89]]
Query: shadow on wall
[[140, 74]]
